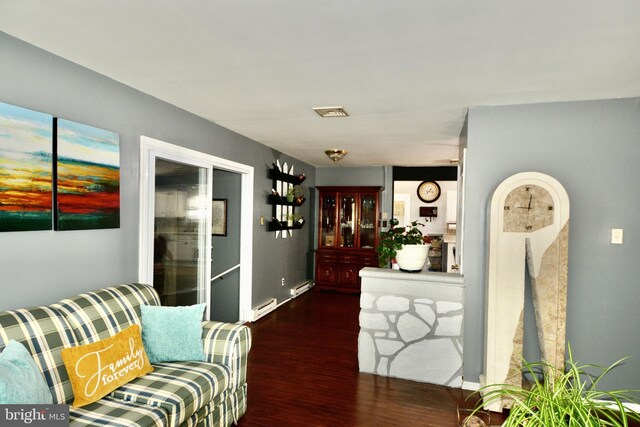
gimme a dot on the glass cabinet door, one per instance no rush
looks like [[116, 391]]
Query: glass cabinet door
[[347, 216], [367, 222], [327, 221]]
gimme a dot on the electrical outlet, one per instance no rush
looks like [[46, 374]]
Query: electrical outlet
[[283, 281]]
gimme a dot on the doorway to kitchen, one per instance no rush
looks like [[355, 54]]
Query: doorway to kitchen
[[430, 195]]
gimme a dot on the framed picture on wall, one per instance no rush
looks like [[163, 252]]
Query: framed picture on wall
[[26, 180], [88, 177], [219, 217]]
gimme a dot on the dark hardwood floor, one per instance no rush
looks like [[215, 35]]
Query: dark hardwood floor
[[303, 371]]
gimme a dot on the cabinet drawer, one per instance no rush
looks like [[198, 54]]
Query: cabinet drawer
[[348, 259], [368, 260], [327, 258]]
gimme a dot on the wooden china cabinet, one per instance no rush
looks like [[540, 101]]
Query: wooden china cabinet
[[347, 236]]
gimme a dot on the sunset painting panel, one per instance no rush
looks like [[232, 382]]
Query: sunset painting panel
[[25, 169], [88, 177]]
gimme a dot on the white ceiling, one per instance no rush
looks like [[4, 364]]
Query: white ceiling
[[406, 71]]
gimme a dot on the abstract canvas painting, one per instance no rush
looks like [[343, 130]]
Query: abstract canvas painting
[[88, 177], [25, 169]]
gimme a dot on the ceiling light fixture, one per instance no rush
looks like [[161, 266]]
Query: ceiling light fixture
[[335, 154], [331, 111]]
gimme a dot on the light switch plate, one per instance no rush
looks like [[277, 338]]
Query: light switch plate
[[617, 236]]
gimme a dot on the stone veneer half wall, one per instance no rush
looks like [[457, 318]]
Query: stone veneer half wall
[[411, 325]]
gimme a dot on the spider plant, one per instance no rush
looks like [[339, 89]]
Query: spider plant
[[566, 398]]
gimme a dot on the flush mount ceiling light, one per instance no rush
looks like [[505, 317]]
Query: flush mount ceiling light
[[335, 154], [331, 111]]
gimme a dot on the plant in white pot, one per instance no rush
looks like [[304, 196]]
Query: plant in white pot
[[405, 244]]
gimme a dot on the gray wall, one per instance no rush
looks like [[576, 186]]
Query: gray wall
[[42, 267], [593, 149], [279, 257], [337, 175]]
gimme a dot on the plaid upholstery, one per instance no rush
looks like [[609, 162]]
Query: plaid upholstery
[[44, 333], [180, 388], [207, 416], [109, 411], [235, 406], [228, 344], [103, 313], [221, 412], [181, 394]]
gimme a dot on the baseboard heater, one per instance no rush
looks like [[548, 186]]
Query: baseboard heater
[[301, 288], [264, 308]]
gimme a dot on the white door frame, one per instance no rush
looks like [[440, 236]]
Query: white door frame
[[150, 149]]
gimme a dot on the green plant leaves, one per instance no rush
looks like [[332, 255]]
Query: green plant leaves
[[563, 398], [394, 238]]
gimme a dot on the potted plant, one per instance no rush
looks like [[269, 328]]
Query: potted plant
[[295, 193], [290, 194], [560, 398], [405, 244], [287, 219]]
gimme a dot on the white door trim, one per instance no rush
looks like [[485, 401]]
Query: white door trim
[[150, 149]]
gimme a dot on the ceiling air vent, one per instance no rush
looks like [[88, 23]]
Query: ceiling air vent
[[331, 111]]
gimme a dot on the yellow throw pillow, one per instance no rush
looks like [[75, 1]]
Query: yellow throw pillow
[[97, 369]]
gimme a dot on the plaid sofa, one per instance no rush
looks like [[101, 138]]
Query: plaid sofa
[[211, 393]]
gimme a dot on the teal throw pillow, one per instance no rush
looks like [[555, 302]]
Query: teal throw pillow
[[172, 334], [21, 381]]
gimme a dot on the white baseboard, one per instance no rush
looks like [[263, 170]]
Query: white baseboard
[[311, 284], [633, 407], [468, 385]]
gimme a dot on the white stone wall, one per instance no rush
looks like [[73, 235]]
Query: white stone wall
[[412, 337]]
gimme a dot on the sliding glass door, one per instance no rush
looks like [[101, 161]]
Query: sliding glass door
[[176, 195], [180, 222]]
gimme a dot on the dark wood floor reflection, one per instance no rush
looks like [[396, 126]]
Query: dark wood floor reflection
[[303, 371]]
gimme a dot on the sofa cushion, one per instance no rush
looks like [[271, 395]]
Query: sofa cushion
[[20, 378], [181, 388], [103, 313], [44, 332], [98, 368], [113, 412], [173, 334]]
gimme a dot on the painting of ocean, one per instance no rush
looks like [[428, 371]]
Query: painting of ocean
[[26, 141], [88, 177]]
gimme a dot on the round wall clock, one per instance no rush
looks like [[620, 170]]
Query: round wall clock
[[428, 191]]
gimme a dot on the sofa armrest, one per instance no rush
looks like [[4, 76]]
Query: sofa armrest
[[228, 344]]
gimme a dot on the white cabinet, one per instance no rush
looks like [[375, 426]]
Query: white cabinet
[[452, 206]]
